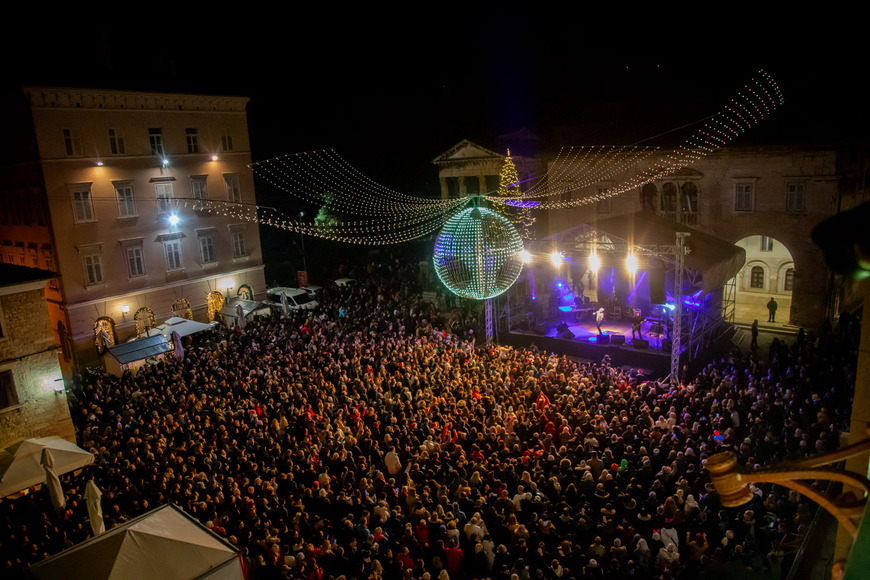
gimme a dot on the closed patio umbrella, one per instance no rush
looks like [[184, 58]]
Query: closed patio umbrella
[[93, 497], [55, 490]]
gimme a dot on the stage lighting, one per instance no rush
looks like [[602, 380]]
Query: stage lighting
[[556, 258], [631, 264], [525, 256], [594, 262]]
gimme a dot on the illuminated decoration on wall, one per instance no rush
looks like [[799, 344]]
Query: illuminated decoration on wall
[[477, 254], [509, 187], [245, 292], [104, 333], [181, 307], [145, 320], [214, 301]]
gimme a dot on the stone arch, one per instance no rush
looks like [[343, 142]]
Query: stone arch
[[245, 292], [104, 334]]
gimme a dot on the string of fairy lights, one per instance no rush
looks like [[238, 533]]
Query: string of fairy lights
[[356, 209], [577, 168]]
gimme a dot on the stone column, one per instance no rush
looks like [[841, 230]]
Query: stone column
[[445, 191]]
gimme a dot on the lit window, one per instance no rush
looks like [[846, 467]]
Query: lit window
[[789, 280], [72, 142], [226, 141], [238, 239], [766, 244], [206, 248], [796, 197], [192, 140], [93, 268], [756, 278], [155, 137], [198, 191], [8, 392], [164, 198], [126, 204], [83, 204], [669, 197], [743, 197], [116, 142], [234, 190], [135, 261], [172, 248]]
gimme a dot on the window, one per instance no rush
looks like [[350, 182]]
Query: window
[[756, 277], [743, 197], [72, 142], [172, 247], [649, 197], [8, 393], [164, 198], [766, 244], [116, 142], [83, 204], [155, 136], [604, 205], [669, 197], [206, 248], [689, 200], [796, 197], [788, 283], [93, 268], [198, 191], [226, 141], [192, 140], [238, 239], [234, 190], [126, 205], [135, 260]]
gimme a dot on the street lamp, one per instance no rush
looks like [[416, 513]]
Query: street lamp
[[302, 235]]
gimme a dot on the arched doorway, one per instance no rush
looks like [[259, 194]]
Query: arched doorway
[[145, 320], [104, 334], [215, 301], [181, 308], [245, 292], [768, 273]]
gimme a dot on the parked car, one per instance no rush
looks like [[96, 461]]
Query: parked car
[[311, 289], [297, 299], [342, 282]]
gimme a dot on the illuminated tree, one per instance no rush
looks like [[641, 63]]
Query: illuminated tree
[[509, 186]]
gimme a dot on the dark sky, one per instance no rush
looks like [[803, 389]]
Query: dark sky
[[390, 92]]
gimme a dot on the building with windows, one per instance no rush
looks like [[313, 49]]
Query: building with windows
[[764, 199], [143, 203], [32, 396]]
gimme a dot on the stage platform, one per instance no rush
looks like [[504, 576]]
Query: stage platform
[[653, 353]]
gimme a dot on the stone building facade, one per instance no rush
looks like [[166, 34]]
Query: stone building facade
[[32, 397], [748, 196], [143, 203]]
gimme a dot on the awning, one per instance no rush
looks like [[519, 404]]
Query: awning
[[248, 307], [140, 349], [182, 326], [20, 465]]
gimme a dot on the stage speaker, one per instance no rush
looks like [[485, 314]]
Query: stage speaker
[[617, 339], [640, 344], [657, 286], [567, 334], [541, 328], [667, 344], [603, 339]]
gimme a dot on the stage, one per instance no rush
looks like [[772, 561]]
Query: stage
[[652, 353]]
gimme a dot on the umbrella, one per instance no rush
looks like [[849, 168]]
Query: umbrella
[[179, 349], [240, 316], [20, 465], [95, 508], [285, 306], [52, 480]]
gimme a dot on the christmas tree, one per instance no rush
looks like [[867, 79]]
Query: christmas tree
[[509, 186]]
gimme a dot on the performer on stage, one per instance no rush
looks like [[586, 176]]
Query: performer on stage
[[599, 317], [635, 326]]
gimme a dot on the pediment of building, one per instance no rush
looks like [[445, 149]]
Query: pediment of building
[[465, 151]]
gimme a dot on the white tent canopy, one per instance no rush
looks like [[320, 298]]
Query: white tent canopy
[[21, 467], [165, 543], [182, 326]]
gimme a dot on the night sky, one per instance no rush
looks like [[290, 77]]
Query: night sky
[[392, 91]]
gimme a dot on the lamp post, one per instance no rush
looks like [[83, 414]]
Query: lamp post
[[302, 235]]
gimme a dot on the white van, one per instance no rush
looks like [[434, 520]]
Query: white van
[[296, 299]]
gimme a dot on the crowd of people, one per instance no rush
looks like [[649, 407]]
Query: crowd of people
[[373, 439]]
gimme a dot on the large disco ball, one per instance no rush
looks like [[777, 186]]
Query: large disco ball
[[477, 254]]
